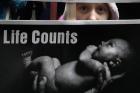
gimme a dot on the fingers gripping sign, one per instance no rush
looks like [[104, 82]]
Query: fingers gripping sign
[[107, 72], [104, 77]]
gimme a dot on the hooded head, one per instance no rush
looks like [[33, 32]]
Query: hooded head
[[102, 11]]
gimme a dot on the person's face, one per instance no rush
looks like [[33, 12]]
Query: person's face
[[92, 11]]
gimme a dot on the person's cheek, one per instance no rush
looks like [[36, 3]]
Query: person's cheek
[[80, 16], [102, 17], [105, 16]]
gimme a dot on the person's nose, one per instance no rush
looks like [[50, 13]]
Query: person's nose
[[93, 15]]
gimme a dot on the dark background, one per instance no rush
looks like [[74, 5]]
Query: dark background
[[12, 71], [129, 10]]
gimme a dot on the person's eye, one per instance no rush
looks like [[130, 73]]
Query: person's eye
[[100, 10], [83, 9]]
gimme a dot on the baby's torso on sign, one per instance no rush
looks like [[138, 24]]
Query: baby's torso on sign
[[71, 77]]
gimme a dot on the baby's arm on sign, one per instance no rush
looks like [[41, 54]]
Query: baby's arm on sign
[[86, 59], [87, 53]]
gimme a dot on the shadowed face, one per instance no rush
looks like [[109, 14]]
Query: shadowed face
[[112, 51], [92, 11]]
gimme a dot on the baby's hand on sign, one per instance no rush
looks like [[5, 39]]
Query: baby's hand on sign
[[91, 48], [87, 53]]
